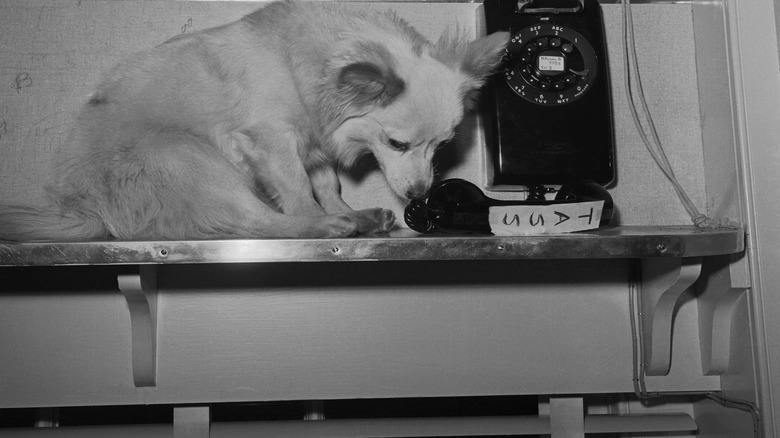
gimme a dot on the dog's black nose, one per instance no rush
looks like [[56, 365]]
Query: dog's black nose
[[417, 192]]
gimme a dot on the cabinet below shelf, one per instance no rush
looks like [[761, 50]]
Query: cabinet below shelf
[[611, 242]]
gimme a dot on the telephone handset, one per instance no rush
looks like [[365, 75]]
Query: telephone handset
[[548, 111], [458, 206]]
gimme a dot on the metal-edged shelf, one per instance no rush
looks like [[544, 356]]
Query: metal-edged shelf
[[611, 242]]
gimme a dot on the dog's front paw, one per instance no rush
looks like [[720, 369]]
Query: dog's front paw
[[386, 221], [340, 225], [369, 221], [375, 220]]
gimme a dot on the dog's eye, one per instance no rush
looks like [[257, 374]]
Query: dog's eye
[[398, 145]]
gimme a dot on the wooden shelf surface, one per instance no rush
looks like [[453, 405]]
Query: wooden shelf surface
[[612, 242]]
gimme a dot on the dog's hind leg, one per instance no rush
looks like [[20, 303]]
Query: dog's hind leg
[[177, 186]]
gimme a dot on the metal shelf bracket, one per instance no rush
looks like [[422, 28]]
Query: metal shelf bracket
[[140, 292], [663, 282], [719, 297]]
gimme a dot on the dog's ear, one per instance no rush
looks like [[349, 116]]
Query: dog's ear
[[477, 59], [483, 55], [365, 83], [367, 76]]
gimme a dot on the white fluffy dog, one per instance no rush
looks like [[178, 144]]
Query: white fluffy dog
[[237, 131]]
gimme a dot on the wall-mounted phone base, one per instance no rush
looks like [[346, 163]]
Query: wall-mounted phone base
[[548, 113]]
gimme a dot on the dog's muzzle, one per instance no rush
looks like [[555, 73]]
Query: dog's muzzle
[[418, 191]]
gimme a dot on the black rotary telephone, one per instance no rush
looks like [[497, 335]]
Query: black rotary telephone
[[548, 111]]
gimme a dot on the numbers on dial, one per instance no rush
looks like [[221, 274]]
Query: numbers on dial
[[549, 64]]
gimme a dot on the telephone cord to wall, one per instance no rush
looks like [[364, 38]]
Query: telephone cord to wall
[[638, 359], [654, 147], [652, 141]]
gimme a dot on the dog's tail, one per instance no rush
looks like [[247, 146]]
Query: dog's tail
[[31, 224]]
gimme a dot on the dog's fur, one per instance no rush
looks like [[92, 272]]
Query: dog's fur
[[237, 131]]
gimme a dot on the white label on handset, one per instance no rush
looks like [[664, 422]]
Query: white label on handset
[[523, 219]]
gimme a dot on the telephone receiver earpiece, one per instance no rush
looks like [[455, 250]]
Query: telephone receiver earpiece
[[457, 205]]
